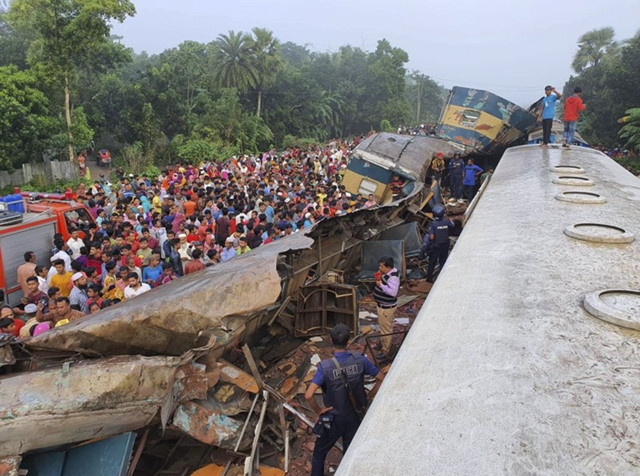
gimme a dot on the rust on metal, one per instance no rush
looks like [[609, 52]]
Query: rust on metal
[[83, 401]]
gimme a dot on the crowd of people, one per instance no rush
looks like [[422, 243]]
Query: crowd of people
[[149, 231]]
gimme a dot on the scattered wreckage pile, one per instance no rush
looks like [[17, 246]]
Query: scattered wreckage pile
[[188, 366], [204, 375]]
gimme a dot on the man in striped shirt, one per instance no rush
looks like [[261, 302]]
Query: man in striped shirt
[[385, 294]]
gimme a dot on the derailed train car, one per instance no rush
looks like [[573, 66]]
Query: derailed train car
[[523, 359], [483, 122], [380, 156]]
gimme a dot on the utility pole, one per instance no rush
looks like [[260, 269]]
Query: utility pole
[[419, 97]]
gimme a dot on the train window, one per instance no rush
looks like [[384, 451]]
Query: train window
[[469, 118], [367, 187]]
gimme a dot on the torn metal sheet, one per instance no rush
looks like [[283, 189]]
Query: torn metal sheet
[[168, 319], [208, 426], [87, 400], [231, 374]]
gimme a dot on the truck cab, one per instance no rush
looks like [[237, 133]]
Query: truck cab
[[28, 223], [69, 213]]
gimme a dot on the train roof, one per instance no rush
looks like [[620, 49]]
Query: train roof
[[408, 155], [504, 370]]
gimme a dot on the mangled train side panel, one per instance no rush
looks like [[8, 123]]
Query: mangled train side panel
[[91, 399], [168, 320]]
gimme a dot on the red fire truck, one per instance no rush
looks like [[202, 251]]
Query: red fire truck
[[28, 223]]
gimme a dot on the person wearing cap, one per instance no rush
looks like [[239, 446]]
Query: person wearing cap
[[30, 311], [572, 108], [437, 166], [548, 112], [78, 295], [345, 400], [228, 252]]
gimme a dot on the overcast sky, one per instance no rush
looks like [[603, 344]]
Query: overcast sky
[[510, 47]]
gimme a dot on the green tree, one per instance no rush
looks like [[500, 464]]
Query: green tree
[[267, 61], [609, 88], [25, 123], [387, 84], [67, 34], [630, 132], [592, 47], [233, 62]]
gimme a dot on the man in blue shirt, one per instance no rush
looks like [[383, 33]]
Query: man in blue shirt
[[471, 172], [548, 112], [342, 382]]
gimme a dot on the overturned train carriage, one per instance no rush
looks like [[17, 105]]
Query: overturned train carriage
[[483, 122], [376, 159]]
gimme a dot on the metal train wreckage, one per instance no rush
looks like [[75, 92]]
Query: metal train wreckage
[[158, 368]]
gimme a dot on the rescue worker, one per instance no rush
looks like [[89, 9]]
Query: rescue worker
[[456, 164], [341, 379], [439, 239], [437, 166]]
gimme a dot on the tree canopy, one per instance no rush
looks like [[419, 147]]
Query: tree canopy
[[241, 92], [608, 74]]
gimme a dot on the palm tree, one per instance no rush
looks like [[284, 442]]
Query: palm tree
[[631, 130], [233, 62], [267, 60], [592, 46]]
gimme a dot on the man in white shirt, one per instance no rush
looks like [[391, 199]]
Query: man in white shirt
[[75, 243], [135, 287]]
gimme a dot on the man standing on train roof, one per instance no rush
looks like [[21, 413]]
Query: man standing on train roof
[[572, 108], [438, 233], [548, 112], [341, 379]]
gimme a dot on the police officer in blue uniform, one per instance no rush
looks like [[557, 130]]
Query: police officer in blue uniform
[[456, 164], [439, 240], [341, 379]]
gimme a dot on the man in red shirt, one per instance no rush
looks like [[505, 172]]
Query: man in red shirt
[[572, 107]]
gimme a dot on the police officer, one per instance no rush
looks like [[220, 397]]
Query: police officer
[[341, 379], [456, 164], [439, 239]]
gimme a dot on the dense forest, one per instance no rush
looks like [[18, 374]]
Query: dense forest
[[66, 82], [608, 73]]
